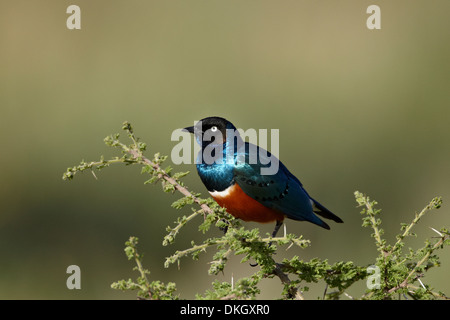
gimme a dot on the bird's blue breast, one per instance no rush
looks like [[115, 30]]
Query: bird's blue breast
[[216, 176]]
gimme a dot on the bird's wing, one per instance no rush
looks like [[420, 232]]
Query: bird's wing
[[281, 190]]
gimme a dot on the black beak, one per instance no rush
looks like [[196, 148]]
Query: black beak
[[189, 129]]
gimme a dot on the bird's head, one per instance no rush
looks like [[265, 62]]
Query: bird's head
[[212, 130]]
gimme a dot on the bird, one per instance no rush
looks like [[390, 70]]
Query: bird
[[231, 171]]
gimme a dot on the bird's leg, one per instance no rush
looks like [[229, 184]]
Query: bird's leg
[[277, 227], [275, 231]]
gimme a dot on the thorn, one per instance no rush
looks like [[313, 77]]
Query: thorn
[[284, 228], [348, 296], [93, 173], [232, 282], [440, 234], [421, 284]]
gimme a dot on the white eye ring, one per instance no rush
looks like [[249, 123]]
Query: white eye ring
[[213, 128]]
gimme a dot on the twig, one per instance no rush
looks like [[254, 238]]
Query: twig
[[229, 297], [414, 270], [429, 207], [137, 155], [293, 292]]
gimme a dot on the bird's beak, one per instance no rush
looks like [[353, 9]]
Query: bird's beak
[[189, 129]]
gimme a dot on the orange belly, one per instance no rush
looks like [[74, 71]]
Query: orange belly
[[241, 206]]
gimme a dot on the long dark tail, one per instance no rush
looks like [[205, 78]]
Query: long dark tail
[[324, 212]]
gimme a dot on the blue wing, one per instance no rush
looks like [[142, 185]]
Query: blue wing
[[281, 191]]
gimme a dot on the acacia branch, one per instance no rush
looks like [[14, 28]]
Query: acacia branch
[[137, 155], [248, 242]]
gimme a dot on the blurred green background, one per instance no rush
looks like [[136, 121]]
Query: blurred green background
[[357, 110]]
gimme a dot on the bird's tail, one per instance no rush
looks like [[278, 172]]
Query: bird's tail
[[324, 212]]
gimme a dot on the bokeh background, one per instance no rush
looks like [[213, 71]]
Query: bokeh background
[[357, 110]]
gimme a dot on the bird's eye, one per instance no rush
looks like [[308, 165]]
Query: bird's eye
[[213, 128]]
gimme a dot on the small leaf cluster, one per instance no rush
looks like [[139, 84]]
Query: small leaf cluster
[[401, 272], [340, 275], [155, 290], [244, 289]]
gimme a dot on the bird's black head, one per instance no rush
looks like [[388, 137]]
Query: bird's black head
[[211, 130]]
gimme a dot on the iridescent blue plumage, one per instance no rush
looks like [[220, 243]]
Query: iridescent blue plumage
[[230, 162], [281, 191]]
